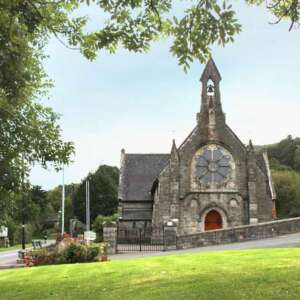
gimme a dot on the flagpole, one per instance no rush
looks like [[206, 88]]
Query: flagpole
[[87, 205], [63, 202]]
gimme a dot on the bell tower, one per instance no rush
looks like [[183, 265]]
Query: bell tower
[[211, 118]]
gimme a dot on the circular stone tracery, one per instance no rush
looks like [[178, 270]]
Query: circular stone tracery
[[213, 164]]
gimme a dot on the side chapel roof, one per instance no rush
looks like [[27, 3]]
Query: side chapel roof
[[139, 172]]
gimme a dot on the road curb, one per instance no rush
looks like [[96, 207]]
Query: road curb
[[5, 267]]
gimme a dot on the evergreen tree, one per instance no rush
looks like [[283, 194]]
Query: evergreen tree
[[103, 193]]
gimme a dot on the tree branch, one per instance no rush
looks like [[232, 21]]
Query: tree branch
[[50, 28]]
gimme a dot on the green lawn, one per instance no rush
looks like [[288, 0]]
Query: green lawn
[[246, 274]]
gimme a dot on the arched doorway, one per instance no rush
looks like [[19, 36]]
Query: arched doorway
[[213, 220]]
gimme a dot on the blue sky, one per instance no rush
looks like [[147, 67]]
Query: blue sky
[[140, 102]]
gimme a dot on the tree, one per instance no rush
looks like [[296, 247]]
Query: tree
[[134, 24], [285, 165], [32, 208], [286, 153], [282, 10], [297, 158], [43, 210], [103, 193], [99, 222], [54, 198], [28, 131], [287, 185]]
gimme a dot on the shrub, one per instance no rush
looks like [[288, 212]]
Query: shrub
[[74, 253], [104, 248], [71, 253], [43, 257], [92, 252]]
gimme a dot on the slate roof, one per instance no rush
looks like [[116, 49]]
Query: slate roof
[[261, 162], [139, 172]]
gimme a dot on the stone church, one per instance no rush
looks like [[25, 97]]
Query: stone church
[[211, 181]]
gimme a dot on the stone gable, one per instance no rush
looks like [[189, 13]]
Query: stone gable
[[212, 180]]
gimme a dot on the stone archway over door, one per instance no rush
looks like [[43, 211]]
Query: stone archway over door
[[213, 220]]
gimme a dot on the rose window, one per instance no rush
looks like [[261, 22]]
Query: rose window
[[213, 164]]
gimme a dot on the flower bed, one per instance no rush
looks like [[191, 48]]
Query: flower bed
[[66, 251]]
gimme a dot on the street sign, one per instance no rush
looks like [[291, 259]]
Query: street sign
[[3, 231], [90, 235]]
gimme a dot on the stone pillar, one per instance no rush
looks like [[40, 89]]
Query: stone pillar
[[110, 237], [174, 182], [170, 236], [253, 216]]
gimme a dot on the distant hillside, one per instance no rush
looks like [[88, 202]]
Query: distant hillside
[[285, 165], [284, 154], [261, 148]]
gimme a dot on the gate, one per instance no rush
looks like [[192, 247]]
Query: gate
[[140, 239]]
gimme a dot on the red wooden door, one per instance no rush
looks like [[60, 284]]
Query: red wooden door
[[213, 220]]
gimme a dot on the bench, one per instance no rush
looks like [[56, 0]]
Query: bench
[[36, 244]]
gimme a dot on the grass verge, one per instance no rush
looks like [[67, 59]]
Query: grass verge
[[244, 274], [15, 247]]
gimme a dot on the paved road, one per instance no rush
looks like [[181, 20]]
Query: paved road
[[10, 257], [284, 241]]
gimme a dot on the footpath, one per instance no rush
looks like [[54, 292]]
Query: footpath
[[9, 259]]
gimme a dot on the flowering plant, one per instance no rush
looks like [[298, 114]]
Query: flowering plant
[[104, 248]]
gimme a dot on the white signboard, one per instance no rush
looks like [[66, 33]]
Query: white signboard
[[3, 231], [90, 235]]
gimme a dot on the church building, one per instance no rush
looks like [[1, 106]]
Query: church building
[[211, 181]]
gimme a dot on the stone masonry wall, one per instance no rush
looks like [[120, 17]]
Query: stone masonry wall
[[162, 200], [196, 206], [239, 234], [110, 237]]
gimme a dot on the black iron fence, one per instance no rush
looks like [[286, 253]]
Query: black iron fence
[[140, 239]]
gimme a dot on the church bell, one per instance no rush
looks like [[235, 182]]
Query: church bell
[[210, 89]]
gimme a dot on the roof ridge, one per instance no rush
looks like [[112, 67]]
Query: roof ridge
[[147, 153]]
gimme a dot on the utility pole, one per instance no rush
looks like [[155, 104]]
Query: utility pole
[[63, 202]]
